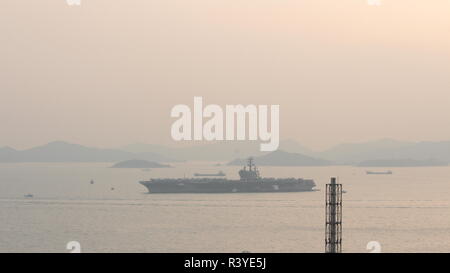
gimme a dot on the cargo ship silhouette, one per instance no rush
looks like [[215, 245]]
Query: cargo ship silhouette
[[210, 174]]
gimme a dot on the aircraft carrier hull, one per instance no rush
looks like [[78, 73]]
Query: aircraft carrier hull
[[227, 186]]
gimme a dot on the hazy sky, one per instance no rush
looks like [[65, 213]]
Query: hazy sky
[[108, 72]]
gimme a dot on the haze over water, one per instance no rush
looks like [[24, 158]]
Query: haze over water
[[404, 212]]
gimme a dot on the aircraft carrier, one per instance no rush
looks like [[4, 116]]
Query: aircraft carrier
[[250, 181]]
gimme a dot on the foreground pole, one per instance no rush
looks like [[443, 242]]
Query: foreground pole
[[333, 217]]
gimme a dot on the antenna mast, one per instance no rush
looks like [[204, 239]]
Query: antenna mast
[[333, 217]]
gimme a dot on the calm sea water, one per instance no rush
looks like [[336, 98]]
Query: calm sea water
[[408, 211]]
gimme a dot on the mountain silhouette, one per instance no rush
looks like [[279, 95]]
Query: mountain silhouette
[[59, 151], [282, 158]]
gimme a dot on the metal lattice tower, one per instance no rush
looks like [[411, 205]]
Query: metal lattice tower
[[333, 214]]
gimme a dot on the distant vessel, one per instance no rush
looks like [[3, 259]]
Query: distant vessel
[[250, 181], [210, 174], [372, 172], [28, 196]]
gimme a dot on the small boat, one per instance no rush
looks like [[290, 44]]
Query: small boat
[[92, 181], [210, 174], [28, 196], [372, 172]]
